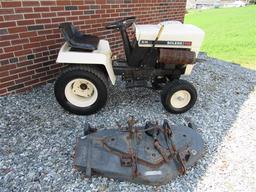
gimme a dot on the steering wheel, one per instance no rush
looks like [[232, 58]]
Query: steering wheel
[[126, 22]]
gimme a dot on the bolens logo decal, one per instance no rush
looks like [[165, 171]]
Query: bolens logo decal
[[173, 43]]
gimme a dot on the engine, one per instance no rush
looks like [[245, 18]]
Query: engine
[[178, 44], [173, 35]]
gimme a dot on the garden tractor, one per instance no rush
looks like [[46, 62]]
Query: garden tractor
[[156, 58]]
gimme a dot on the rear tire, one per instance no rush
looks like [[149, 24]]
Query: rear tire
[[81, 90], [178, 96]]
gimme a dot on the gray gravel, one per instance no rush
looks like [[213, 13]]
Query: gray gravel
[[37, 137]]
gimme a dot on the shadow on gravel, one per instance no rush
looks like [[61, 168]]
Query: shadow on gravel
[[37, 137]]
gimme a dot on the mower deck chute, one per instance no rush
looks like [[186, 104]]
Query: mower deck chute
[[151, 155]]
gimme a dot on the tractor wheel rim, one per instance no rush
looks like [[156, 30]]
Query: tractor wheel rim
[[81, 92], [180, 99]]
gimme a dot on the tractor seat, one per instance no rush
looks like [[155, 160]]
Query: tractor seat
[[77, 40]]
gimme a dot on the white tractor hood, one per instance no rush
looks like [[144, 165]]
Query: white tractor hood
[[173, 35]]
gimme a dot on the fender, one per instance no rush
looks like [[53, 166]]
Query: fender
[[101, 56]]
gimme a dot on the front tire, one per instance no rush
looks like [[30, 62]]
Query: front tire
[[81, 90], [178, 96]]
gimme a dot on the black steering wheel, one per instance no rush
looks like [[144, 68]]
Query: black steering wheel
[[126, 22]]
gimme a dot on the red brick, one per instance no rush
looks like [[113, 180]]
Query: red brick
[[53, 36], [9, 37], [38, 75], [47, 3], [51, 26], [45, 32], [24, 89], [12, 48], [23, 10], [17, 29], [23, 52], [39, 55], [73, 18], [41, 9], [17, 70], [31, 82], [22, 80], [58, 19], [57, 9], [30, 3], [6, 11], [39, 21], [39, 49], [19, 41], [7, 84], [28, 34], [77, 12], [77, 2], [8, 78], [26, 22], [4, 43], [64, 13], [67, 2], [38, 38], [32, 15], [40, 60], [31, 45], [11, 4], [7, 24], [49, 15], [27, 73], [7, 55], [34, 66], [4, 73], [13, 17], [43, 69]]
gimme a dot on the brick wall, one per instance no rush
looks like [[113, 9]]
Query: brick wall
[[30, 39]]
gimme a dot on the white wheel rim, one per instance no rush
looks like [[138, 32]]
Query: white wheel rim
[[180, 99], [81, 92]]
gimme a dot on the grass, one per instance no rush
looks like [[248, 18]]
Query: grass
[[230, 33]]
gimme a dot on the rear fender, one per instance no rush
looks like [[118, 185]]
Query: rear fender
[[101, 56]]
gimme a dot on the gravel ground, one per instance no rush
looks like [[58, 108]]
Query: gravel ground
[[37, 137]]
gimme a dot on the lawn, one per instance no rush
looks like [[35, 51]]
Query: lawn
[[230, 33]]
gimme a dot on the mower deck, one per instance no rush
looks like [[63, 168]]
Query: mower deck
[[151, 155]]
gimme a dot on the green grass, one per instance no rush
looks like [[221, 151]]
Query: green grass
[[230, 33]]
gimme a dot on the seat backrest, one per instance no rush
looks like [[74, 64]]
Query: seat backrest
[[68, 31], [76, 39]]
